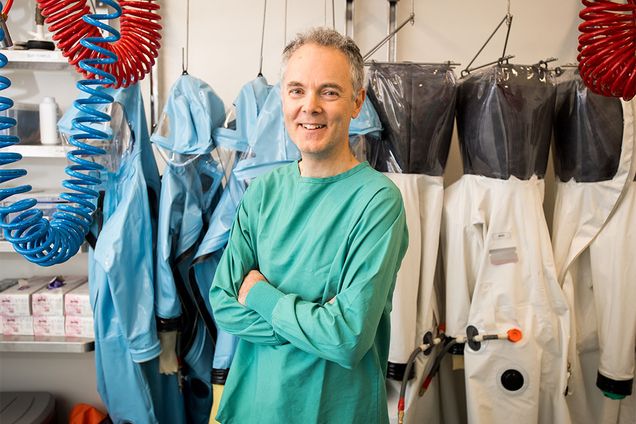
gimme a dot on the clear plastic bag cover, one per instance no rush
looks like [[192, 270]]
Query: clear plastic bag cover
[[504, 121], [588, 132], [247, 106], [416, 105], [127, 128], [269, 143], [117, 130], [191, 112]]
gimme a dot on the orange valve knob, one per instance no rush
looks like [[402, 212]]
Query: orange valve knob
[[514, 335]]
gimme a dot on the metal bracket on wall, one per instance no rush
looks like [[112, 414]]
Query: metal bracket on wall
[[392, 52], [349, 14], [410, 19], [392, 31]]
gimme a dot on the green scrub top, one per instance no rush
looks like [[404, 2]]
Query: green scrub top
[[314, 339]]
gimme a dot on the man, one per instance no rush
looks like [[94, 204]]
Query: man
[[307, 277]]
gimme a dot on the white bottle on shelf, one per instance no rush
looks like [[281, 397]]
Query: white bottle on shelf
[[48, 121]]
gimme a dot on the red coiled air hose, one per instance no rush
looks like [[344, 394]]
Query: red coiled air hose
[[137, 48], [7, 7], [607, 47]]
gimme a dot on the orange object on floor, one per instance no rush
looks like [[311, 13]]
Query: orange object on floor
[[83, 413]]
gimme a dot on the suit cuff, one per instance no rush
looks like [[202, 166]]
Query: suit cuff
[[263, 298], [145, 354], [611, 387]]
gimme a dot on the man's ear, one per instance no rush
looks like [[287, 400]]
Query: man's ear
[[358, 101]]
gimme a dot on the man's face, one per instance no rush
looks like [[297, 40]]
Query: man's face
[[318, 100]]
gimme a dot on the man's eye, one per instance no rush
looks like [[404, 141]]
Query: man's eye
[[331, 93], [295, 91]]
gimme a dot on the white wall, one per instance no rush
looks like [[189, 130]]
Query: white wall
[[225, 37]]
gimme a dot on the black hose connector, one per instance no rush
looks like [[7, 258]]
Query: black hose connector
[[395, 371]]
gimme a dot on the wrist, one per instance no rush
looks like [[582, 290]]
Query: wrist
[[263, 299], [246, 288]]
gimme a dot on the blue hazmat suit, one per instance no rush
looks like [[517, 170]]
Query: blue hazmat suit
[[121, 272], [190, 190], [248, 104]]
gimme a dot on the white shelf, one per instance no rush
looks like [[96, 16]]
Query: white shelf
[[38, 150], [36, 59], [44, 344], [6, 247]]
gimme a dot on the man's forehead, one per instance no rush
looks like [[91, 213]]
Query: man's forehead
[[310, 63], [306, 50]]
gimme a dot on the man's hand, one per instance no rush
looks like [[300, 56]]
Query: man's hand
[[250, 279]]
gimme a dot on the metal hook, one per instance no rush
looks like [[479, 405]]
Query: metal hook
[[506, 19], [410, 19], [447, 63], [543, 64], [324, 13], [392, 30], [509, 25], [285, 27], [184, 66], [504, 60], [185, 53], [559, 70], [349, 13], [501, 61], [333, 14], [260, 66]]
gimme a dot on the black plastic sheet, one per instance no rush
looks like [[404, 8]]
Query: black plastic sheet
[[588, 131], [416, 105], [504, 120]]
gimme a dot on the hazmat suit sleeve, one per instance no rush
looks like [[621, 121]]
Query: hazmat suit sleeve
[[124, 251], [344, 329], [166, 299], [238, 259]]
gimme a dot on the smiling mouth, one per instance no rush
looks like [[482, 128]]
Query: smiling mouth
[[312, 126]]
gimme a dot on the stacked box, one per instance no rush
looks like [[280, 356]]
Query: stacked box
[[37, 307], [49, 301], [48, 325], [77, 302], [21, 325], [79, 314], [15, 306], [78, 326], [47, 305], [5, 284]]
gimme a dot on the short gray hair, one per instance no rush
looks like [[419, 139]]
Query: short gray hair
[[331, 38]]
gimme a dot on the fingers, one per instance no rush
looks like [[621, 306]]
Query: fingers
[[254, 275]]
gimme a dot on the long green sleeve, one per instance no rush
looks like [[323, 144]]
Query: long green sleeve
[[237, 260]]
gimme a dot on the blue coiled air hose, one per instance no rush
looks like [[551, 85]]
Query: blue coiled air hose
[[52, 242]]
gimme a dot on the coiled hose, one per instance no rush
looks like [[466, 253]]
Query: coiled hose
[[46, 242], [6, 8], [607, 47], [137, 48]]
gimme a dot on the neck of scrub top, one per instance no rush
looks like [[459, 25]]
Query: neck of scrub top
[[322, 167]]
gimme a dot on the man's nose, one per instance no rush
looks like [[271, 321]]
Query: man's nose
[[311, 105]]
